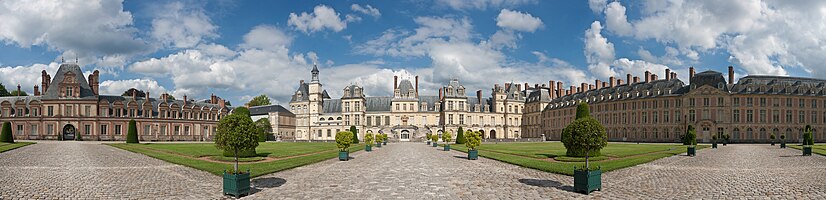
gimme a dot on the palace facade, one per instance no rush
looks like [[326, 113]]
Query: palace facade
[[660, 110], [69, 106], [406, 115]]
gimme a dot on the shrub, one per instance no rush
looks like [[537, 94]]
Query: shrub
[[714, 138], [783, 137], [447, 137], [368, 139], [690, 136], [473, 139], [585, 136], [807, 136], [343, 140], [434, 137], [460, 136], [78, 137], [132, 134], [263, 125], [5, 135], [384, 137], [427, 137], [355, 134], [771, 136], [727, 137], [236, 134]]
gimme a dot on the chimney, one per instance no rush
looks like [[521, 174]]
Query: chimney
[[147, 95], [730, 74], [441, 90], [653, 77], [690, 73], [612, 81], [668, 74], [647, 76], [597, 84], [135, 94], [628, 79], [222, 103], [518, 87], [604, 84], [45, 80], [673, 75], [619, 82], [583, 87], [301, 82], [479, 96], [211, 98], [185, 100], [19, 91], [395, 82], [552, 89], [560, 91], [36, 90], [636, 79], [95, 83], [591, 87], [527, 86], [164, 97], [572, 90], [417, 86]]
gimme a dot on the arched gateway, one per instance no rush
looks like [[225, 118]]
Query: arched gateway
[[69, 132]]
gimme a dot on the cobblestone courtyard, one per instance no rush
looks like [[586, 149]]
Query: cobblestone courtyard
[[409, 171]]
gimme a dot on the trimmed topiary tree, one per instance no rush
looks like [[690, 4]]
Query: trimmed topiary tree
[[132, 133], [782, 141], [5, 135], [78, 137], [447, 137], [460, 136], [473, 139], [355, 134], [384, 138], [807, 136], [772, 137], [368, 140], [263, 125], [427, 138], [571, 140], [236, 134], [690, 139], [714, 141], [343, 141]]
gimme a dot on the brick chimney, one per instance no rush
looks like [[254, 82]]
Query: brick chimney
[[479, 96], [619, 82], [19, 91], [441, 97], [690, 73], [165, 97], [591, 87], [653, 77], [36, 90], [417, 86], [560, 91], [301, 82], [395, 82], [628, 79], [583, 87], [612, 81], [647, 76], [636, 79], [730, 74], [185, 100], [673, 75], [552, 89], [95, 82], [597, 84], [222, 103], [572, 90], [528, 86], [46, 79], [667, 74], [147, 95], [604, 84]]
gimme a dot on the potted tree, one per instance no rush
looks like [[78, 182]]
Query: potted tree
[[447, 137], [434, 138], [377, 138], [714, 141], [368, 141], [772, 138], [726, 137], [472, 141], [691, 141], [427, 139], [384, 138], [236, 133], [807, 141], [585, 135], [343, 141], [782, 141], [5, 135]]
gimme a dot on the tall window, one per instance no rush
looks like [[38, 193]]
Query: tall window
[[147, 129], [801, 117], [461, 117], [691, 115], [450, 119], [117, 130], [749, 116], [736, 116], [70, 92], [104, 129], [736, 102], [762, 116], [788, 116], [87, 129]]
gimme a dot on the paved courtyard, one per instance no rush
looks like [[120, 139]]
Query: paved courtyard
[[90, 170]]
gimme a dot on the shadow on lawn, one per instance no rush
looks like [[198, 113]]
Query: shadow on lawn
[[547, 183], [266, 183]]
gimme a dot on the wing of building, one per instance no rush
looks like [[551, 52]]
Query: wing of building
[[68, 106]]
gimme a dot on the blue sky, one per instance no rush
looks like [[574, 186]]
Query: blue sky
[[240, 49]]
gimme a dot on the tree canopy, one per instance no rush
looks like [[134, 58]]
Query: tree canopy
[[138, 93], [447, 137], [236, 133], [473, 139], [343, 140], [260, 100], [582, 110], [3, 91], [242, 111], [585, 136]]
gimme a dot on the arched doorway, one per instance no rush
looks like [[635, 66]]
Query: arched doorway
[[69, 132], [405, 136], [492, 134]]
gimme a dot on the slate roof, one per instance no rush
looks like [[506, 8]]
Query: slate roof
[[331, 106], [265, 110], [378, 103], [539, 95], [430, 101], [780, 85], [53, 91], [452, 89], [638, 90]]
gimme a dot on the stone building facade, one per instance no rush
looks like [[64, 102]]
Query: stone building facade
[[406, 115], [69, 105], [660, 110]]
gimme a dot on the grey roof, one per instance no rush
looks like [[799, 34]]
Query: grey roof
[[473, 101], [331, 106], [512, 90], [304, 89], [430, 101], [539, 95], [324, 95], [53, 91], [453, 87], [378, 103], [266, 110], [350, 92], [780, 85], [627, 91], [710, 78]]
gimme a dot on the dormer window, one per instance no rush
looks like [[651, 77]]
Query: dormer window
[[70, 92]]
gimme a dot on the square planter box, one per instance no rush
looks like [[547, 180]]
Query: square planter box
[[385, 142], [435, 145], [447, 147], [343, 155], [807, 151], [428, 142], [783, 145], [378, 144], [237, 184], [692, 151], [473, 154], [587, 181], [368, 148], [713, 145]]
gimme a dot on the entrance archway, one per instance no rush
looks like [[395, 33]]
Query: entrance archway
[[492, 134], [405, 136], [69, 132]]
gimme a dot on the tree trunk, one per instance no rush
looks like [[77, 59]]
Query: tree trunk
[[587, 166], [236, 161]]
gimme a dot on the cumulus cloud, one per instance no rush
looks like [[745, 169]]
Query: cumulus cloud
[[180, 26], [599, 52], [366, 9], [322, 17], [518, 21], [26, 76], [483, 4], [597, 5]]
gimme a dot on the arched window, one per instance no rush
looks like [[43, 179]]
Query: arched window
[[321, 119], [736, 133], [749, 134], [763, 133]]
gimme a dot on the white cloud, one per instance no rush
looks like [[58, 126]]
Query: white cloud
[[366, 9], [518, 21], [599, 52], [91, 27], [597, 5], [117, 87], [266, 37], [179, 26], [26, 76], [322, 17], [483, 4], [615, 19]]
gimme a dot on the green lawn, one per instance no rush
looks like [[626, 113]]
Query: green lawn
[[817, 148], [9, 146], [535, 155], [187, 154]]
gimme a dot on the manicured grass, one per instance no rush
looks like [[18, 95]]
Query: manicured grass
[[9, 146], [615, 155], [817, 148], [191, 151]]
